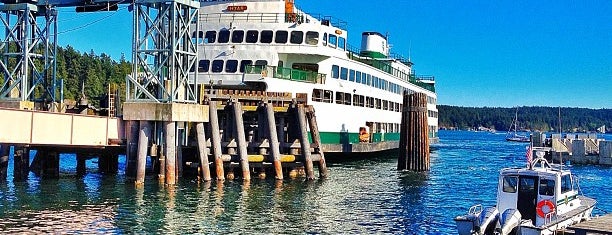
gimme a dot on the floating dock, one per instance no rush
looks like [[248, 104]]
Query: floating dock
[[597, 225]]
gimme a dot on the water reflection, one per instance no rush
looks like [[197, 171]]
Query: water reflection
[[365, 196]]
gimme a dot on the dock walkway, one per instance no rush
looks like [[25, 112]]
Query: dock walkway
[[598, 225]]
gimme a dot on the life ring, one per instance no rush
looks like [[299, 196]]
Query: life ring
[[543, 203]]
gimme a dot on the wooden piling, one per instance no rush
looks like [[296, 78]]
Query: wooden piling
[[304, 143], [170, 149], [273, 139], [143, 145], [4, 162], [215, 139], [414, 139], [50, 160], [21, 164], [241, 140], [202, 150], [316, 139]]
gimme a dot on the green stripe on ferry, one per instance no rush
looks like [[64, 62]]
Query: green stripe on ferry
[[347, 137]]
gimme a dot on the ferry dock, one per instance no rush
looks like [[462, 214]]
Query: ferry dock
[[233, 139], [575, 148]]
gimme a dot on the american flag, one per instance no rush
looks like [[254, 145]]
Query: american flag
[[528, 154]]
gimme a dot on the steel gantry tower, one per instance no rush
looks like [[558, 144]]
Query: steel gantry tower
[[28, 52], [164, 55]]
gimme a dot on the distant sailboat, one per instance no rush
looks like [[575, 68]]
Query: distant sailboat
[[512, 135], [602, 129]]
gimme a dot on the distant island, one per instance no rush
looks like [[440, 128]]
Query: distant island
[[529, 118]]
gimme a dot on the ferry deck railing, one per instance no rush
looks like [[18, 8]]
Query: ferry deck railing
[[271, 18], [286, 73]]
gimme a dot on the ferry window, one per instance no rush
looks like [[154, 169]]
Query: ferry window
[[369, 81], [224, 36], [306, 67], [197, 37], [370, 102], [210, 36], [347, 98], [335, 71], [317, 95], [385, 105], [297, 37], [341, 43], [398, 107], [377, 103], [327, 96], [357, 77], [261, 63], [375, 81], [312, 38], [333, 40], [252, 36], [203, 66], [281, 37], [364, 78], [339, 97], [566, 183], [217, 66], [352, 75], [547, 187], [266, 36], [237, 36], [325, 39], [343, 73], [358, 100], [243, 65], [509, 184], [231, 66]]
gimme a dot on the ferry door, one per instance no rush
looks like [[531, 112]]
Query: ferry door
[[527, 197]]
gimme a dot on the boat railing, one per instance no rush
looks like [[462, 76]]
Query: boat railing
[[286, 73], [475, 209], [385, 66], [548, 217], [252, 17]]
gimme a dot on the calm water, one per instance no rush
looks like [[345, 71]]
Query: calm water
[[366, 196]]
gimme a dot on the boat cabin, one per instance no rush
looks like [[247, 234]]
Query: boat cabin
[[538, 192]]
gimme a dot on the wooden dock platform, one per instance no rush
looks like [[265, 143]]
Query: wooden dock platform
[[597, 225]]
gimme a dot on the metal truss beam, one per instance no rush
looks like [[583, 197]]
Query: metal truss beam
[[164, 56], [27, 52]]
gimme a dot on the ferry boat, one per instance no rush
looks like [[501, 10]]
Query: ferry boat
[[538, 199], [273, 46]]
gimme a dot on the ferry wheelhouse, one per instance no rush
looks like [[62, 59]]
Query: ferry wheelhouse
[[272, 46], [538, 199]]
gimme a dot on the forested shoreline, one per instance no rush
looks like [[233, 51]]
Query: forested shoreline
[[529, 118]]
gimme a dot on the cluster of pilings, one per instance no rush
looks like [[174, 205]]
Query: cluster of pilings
[[46, 161], [234, 141], [414, 139]]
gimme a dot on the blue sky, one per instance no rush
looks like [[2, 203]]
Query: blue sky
[[482, 53]]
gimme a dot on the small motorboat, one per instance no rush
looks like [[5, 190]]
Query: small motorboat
[[538, 199]]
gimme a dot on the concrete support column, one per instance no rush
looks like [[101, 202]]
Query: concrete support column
[[81, 167], [4, 162], [170, 150], [143, 145], [21, 164], [131, 129]]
